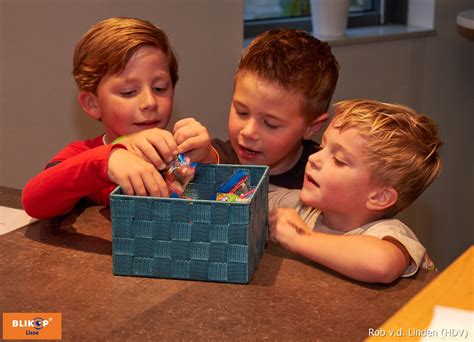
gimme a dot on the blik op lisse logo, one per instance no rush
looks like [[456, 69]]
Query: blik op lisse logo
[[38, 323], [21, 325]]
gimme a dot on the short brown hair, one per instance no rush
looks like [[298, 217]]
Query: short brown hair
[[402, 146], [297, 62], [108, 45]]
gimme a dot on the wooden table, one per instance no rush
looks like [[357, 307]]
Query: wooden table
[[452, 288], [65, 266]]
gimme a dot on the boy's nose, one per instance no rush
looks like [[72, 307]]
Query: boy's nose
[[147, 101], [250, 130], [315, 160]]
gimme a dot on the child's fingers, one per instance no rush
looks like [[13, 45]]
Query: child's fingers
[[127, 187], [165, 143], [134, 175], [183, 134], [147, 182], [161, 148], [271, 226], [193, 143], [162, 184], [192, 138], [155, 185], [138, 186], [115, 172], [273, 217], [139, 175], [189, 128], [272, 233], [168, 138], [151, 155], [182, 123]]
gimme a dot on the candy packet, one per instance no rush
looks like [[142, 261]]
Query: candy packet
[[235, 188], [178, 173], [230, 197]]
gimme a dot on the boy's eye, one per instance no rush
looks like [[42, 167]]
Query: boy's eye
[[339, 162], [242, 113], [159, 89], [272, 126], [127, 93]]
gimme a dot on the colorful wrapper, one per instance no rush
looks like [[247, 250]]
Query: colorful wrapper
[[178, 173]]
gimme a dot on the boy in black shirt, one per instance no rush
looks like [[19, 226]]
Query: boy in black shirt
[[283, 87]]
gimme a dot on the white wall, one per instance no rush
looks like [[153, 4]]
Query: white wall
[[435, 75], [39, 114], [38, 109]]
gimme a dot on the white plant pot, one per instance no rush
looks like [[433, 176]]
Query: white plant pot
[[329, 17]]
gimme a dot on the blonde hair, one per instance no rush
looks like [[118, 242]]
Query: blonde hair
[[402, 146], [108, 45], [296, 61]]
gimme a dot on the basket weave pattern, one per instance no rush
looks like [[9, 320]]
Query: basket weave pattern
[[195, 238]]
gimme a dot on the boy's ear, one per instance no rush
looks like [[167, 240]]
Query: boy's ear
[[382, 198], [88, 102], [315, 125]]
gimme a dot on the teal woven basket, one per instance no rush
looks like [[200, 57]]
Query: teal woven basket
[[197, 238]]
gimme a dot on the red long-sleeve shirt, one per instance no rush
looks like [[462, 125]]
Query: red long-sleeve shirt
[[79, 170]]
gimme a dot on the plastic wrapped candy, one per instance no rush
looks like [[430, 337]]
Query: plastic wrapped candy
[[235, 189], [230, 197], [178, 173]]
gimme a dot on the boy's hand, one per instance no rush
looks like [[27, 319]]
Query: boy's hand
[[134, 175], [193, 139], [154, 145], [286, 226]]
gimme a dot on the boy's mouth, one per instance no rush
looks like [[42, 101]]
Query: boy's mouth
[[247, 153], [147, 124], [311, 180]]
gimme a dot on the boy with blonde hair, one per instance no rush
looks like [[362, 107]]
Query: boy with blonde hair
[[283, 87], [375, 160], [126, 72]]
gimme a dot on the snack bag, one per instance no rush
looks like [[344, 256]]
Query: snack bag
[[235, 189], [178, 173], [235, 184], [230, 197]]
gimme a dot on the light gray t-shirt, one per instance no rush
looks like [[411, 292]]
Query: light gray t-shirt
[[380, 229]]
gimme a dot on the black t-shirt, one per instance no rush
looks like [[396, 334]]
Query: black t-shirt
[[291, 179]]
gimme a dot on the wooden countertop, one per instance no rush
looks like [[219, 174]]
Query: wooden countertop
[[452, 288], [65, 265]]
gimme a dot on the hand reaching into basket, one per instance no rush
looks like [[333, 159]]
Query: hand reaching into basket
[[135, 175], [152, 150]]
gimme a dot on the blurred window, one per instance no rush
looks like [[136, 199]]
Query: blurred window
[[263, 15]]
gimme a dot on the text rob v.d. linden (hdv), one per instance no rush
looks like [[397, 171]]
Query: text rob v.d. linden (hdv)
[[442, 333]]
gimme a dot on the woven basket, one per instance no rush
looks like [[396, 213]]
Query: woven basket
[[195, 238]]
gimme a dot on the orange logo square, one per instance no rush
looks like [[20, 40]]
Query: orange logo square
[[32, 326]]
